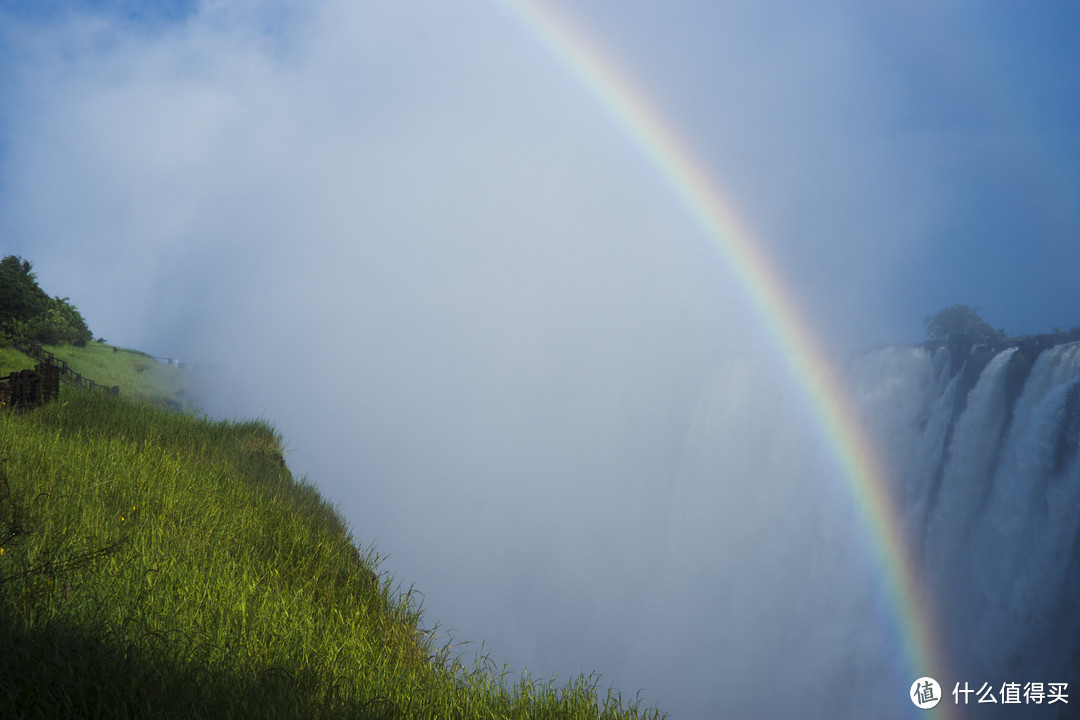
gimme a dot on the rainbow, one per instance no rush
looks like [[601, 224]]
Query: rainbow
[[643, 125]]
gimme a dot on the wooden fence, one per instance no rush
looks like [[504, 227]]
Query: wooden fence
[[34, 350], [28, 388]]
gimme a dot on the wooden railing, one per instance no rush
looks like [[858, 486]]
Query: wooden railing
[[36, 351]]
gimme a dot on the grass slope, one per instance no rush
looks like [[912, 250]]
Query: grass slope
[[138, 375], [161, 564], [11, 360]]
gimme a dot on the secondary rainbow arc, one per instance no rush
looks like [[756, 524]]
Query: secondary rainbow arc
[[645, 127]]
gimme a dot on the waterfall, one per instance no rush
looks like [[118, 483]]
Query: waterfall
[[980, 450]]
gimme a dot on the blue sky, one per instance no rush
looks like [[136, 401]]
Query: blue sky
[[894, 160], [421, 192], [960, 117]]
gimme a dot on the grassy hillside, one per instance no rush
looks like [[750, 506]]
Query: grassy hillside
[[138, 375], [161, 564]]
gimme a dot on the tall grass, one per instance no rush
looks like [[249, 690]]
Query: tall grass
[[163, 564]]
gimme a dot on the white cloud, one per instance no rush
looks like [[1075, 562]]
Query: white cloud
[[514, 317]]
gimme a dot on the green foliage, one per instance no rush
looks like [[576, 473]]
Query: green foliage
[[158, 563], [960, 322], [21, 300], [27, 312], [60, 323]]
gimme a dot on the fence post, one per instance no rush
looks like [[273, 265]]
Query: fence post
[[50, 382], [27, 389]]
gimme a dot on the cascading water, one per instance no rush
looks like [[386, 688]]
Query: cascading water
[[992, 496], [1009, 568], [980, 449]]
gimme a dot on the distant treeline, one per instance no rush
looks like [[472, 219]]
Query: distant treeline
[[27, 312], [963, 324]]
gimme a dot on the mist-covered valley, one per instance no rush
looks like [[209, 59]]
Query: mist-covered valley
[[443, 250]]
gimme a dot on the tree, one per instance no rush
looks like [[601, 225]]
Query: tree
[[27, 312], [21, 300], [960, 322], [60, 323]]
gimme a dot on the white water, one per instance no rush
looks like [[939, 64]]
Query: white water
[[788, 616]]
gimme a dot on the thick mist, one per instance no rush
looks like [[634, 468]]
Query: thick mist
[[407, 236]]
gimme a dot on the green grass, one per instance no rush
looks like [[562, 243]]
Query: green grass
[[11, 360], [162, 564], [137, 374]]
